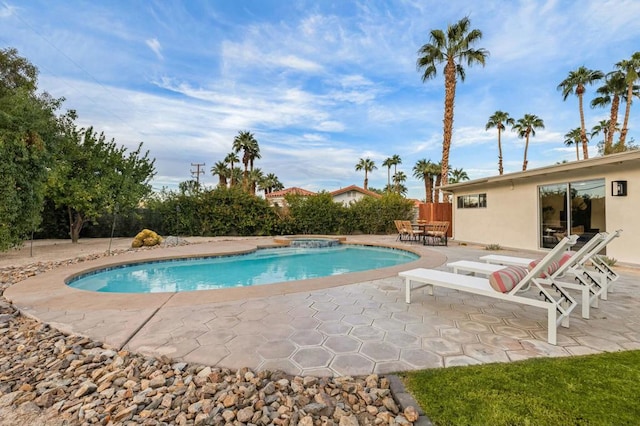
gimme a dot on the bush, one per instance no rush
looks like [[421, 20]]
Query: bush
[[146, 238]]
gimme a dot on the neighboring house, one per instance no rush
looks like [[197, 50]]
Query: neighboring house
[[351, 194], [535, 208], [276, 198]]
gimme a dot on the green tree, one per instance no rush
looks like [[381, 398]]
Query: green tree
[[575, 83], [399, 178], [631, 69], [92, 176], [498, 120], [425, 170], [453, 48], [255, 176], [610, 93], [221, 170], [368, 165], [231, 159], [574, 137], [458, 175], [247, 143], [603, 127], [388, 163], [29, 134], [526, 127]]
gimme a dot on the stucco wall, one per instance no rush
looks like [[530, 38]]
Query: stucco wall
[[511, 216]]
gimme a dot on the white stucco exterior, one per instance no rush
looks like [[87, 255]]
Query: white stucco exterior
[[511, 216]]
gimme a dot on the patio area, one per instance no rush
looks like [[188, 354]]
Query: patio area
[[345, 325]]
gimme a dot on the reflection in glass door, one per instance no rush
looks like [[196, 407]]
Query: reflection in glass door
[[585, 205]]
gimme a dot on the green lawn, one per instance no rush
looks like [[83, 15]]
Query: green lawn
[[601, 389]]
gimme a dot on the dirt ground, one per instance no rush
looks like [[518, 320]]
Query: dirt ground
[[51, 250]]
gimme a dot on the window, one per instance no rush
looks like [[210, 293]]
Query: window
[[472, 201], [571, 208]]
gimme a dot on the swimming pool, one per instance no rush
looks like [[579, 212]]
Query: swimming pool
[[263, 266]]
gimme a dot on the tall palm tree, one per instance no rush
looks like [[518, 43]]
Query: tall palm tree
[[235, 176], [610, 92], [254, 176], [395, 160], [451, 48], [601, 127], [399, 178], [574, 137], [498, 120], [423, 170], [575, 83], [525, 127], [221, 170], [631, 69], [458, 175], [247, 143], [231, 159], [368, 165], [388, 163]]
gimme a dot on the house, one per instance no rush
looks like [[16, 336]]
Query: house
[[351, 194], [535, 208], [276, 198]]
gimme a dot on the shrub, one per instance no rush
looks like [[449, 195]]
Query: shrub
[[493, 247], [146, 238]]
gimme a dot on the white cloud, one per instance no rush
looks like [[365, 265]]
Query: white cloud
[[155, 46]]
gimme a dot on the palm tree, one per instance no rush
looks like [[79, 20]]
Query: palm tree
[[452, 48], [610, 92], [399, 178], [246, 142], [575, 83], [388, 163], [574, 137], [631, 70], [222, 171], [498, 120], [231, 159], [423, 170], [254, 176], [526, 126], [235, 176], [367, 165], [395, 159], [270, 183], [458, 175]]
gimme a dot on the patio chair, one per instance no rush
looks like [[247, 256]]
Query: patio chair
[[436, 232], [413, 233], [504, 284], [401, 230]]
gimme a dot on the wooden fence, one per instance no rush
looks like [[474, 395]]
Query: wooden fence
[[437, 212]]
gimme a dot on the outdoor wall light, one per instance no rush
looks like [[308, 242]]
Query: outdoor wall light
[[619, 188]]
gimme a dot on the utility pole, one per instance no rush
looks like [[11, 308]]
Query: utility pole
[[197, 172]]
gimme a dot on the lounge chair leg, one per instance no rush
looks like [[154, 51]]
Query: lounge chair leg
[[585, 302], [407, 290], [551, 325]]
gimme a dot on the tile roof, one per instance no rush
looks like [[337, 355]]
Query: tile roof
[[357, 189], [292, 190]]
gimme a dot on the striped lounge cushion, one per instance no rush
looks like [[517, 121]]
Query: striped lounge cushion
[[553, 266], [506, 279]]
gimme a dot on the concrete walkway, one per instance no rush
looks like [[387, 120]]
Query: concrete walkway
[[347, 325]]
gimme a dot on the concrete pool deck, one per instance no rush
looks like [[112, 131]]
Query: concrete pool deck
[[352, 324]]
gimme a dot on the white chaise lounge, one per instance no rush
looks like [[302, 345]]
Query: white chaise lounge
[[558, 305], [570, 266]]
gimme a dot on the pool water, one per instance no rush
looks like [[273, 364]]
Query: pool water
[[264, 266]]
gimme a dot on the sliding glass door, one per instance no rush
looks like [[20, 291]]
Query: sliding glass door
[[575, 208]]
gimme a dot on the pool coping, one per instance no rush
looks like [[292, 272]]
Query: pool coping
[[47, 298]]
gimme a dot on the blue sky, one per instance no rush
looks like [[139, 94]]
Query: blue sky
[[319, 83]]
